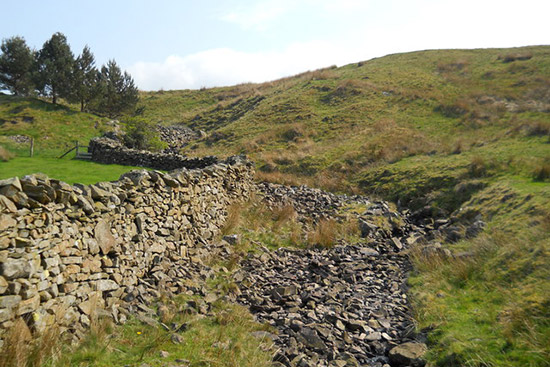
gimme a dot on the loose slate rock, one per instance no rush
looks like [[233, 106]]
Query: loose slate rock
[[408, 354]]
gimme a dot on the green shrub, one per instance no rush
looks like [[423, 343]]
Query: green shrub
[[142, 134]]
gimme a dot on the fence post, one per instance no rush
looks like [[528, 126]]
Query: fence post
[[32, 147], [76, 144]]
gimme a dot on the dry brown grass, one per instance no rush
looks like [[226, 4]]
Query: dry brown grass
[[283, 215], [233, 218], [533, 128], [453, 66], [324, 234], [5, 155], [321, 74], [22, 349], [332, 181], [392, 142], [283, 178], [478, 166]]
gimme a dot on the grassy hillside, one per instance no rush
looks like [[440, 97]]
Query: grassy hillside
[[53, 127], [332, 126], [460, 131]]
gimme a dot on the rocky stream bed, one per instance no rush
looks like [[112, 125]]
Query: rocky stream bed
[[340, 306]]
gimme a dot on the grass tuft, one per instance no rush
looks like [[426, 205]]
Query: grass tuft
[[22, 349], [5, 155], [542, 172], [324, 234]]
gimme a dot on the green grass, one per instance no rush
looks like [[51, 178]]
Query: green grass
[[491, 309], [68, 170], [222, 340]]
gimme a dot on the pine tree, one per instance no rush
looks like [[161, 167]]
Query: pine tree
[[54, 65], [15, 66], [85, 79], [119, 93]]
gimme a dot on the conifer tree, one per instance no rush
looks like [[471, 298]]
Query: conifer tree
[[15, 66], [54, 65], [119, 93], [85, 79]]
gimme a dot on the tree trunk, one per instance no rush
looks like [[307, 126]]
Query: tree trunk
[[82, 105], [54, 95]]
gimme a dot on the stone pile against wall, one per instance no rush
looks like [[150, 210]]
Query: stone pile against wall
[[177, 137], [68, 251], [106, 150]]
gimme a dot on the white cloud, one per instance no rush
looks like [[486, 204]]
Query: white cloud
[[343, 6], [423, 25], [224, 66], [260, 15]]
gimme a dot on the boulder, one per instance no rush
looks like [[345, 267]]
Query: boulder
[[408, 354]]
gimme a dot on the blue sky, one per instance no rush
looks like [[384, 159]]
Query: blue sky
[[183, 44]]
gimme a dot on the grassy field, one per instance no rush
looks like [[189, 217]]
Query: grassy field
[[55, 128], [464, 132], [68, 170]]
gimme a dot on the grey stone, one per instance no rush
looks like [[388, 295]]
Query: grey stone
[[232, 239], [9, 301], [6, 314], [16, 268], [177, 339], [6, 205], [408, 354], [104, 237], [310, 338], [12, 182], [3, 285], [106, 285], [28, 305], [7, 222]]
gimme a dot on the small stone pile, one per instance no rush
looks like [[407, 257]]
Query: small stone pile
[[379, 225], [308, 202], [177, 137], [20, 139], [67, 252]]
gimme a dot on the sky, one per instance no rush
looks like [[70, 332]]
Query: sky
[[190, 44]]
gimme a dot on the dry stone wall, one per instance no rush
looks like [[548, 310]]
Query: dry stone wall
[[111, 151], [67, 252]]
